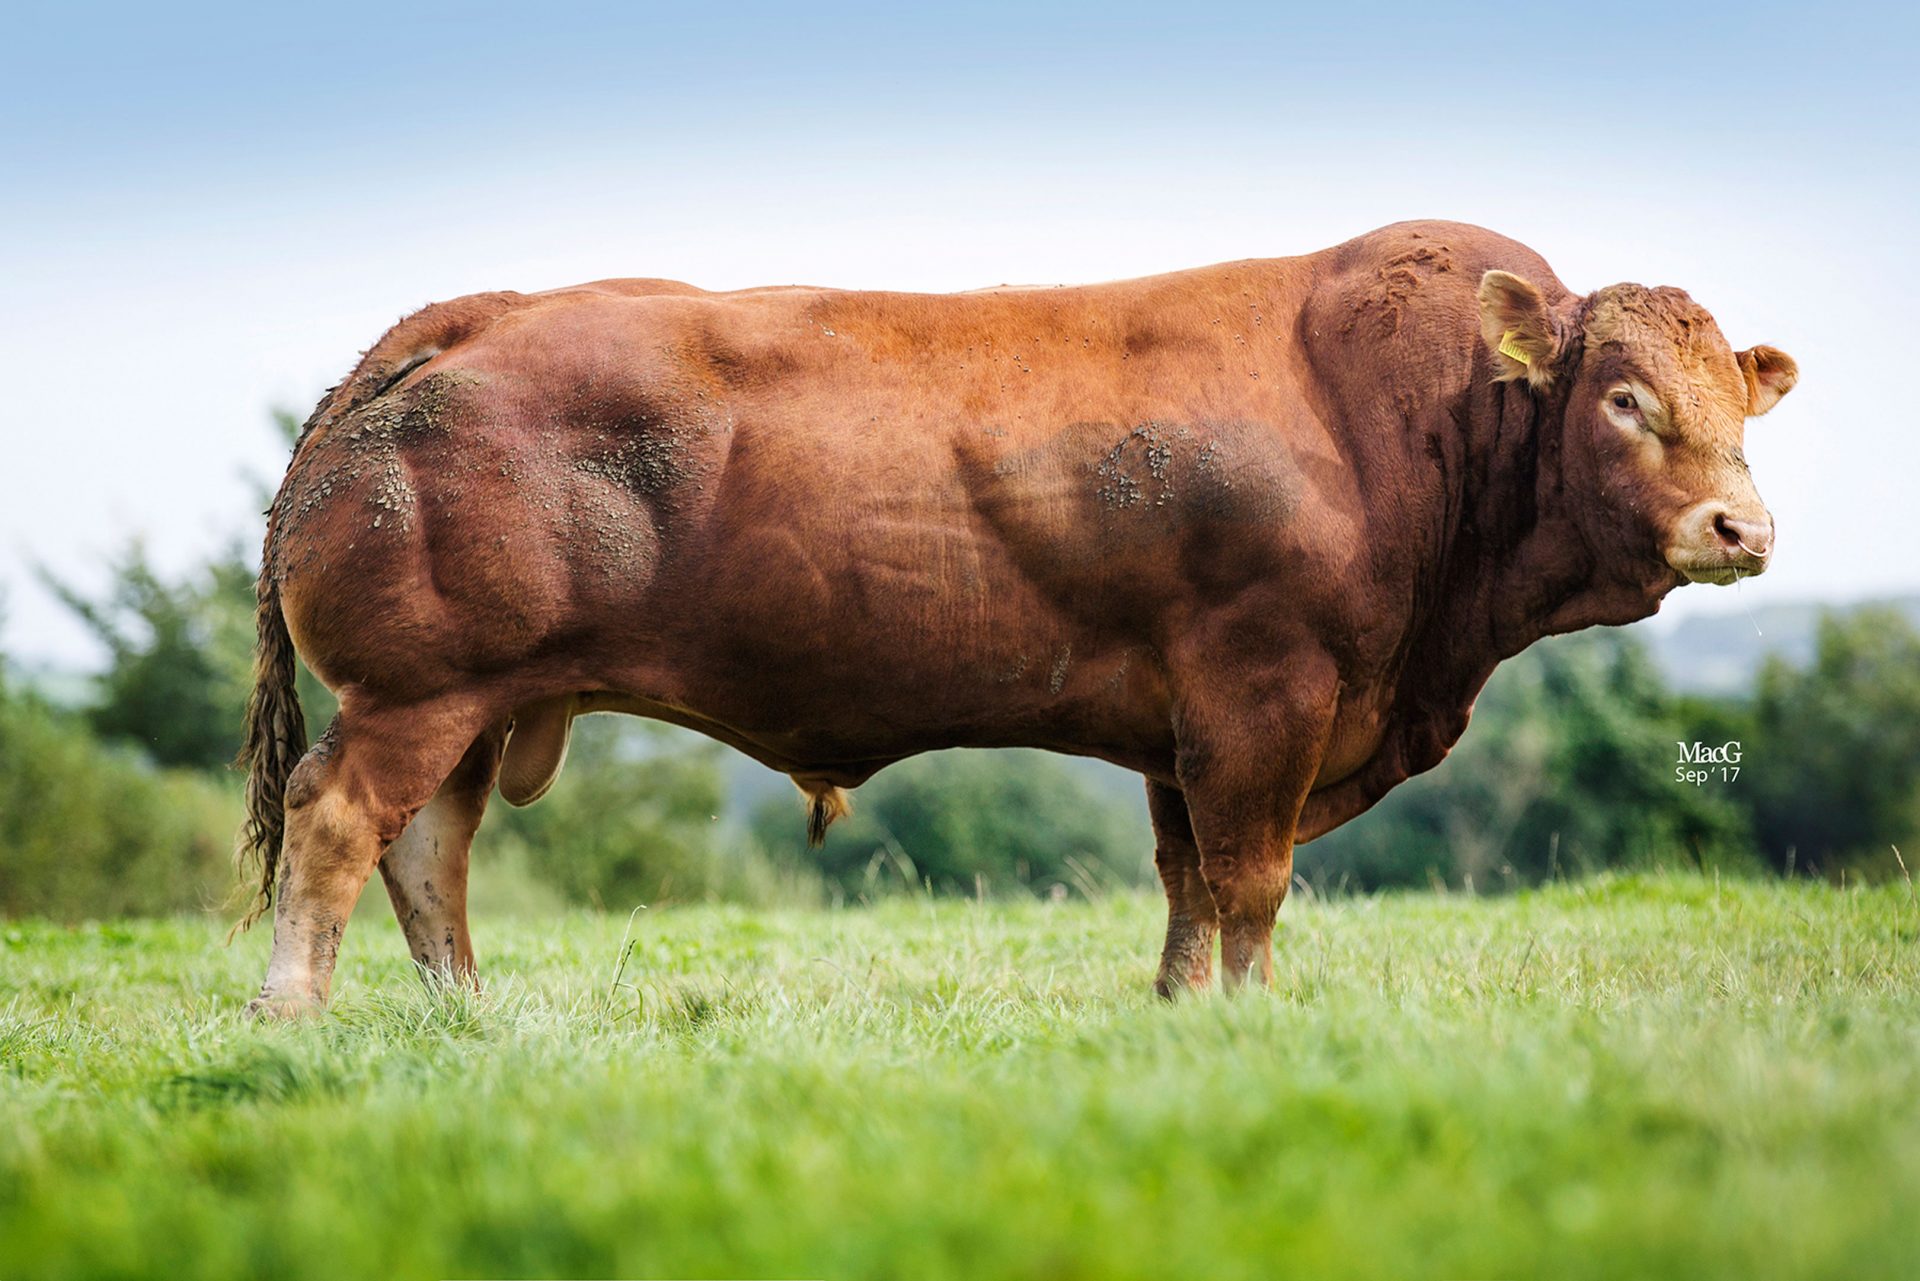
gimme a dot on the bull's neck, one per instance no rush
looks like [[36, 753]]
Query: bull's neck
[[1511, 562]]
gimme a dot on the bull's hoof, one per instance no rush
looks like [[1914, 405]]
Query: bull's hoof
[[1185, 966], [1173, 985], [281, 1007]]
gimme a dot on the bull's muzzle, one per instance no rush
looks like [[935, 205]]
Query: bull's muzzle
[[1714, 543]]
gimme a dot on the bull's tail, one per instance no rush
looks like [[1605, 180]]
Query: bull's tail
[[276, 740]]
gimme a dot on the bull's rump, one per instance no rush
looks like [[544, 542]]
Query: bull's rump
[[825, 526]]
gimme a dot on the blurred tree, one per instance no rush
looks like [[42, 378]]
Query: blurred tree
[[1835, 750], [180, 656], [1614, 799], [1012, 819]]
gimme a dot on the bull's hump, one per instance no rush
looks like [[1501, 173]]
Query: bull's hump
[[1470, 249]]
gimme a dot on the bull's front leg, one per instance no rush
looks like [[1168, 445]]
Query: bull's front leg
[[1250, 749]]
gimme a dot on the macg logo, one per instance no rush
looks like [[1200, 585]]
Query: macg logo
[[1702, 761], [1728, 753]]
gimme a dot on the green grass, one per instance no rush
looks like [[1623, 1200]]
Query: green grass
[[1644, 1077]]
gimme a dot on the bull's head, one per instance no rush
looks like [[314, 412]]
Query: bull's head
[[1656, 409]]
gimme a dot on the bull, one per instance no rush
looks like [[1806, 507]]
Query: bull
[[1259, 532]]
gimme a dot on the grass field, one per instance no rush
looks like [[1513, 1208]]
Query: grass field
[[1665, 1077]]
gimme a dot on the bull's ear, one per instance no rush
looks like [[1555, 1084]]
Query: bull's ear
[[1515, 323], [1770, 374]]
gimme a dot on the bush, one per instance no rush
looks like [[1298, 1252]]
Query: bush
[[962, 820], [635, 818], [89, 831], [1836, 751]]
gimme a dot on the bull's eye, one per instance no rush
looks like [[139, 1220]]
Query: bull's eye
[[1623, 407]]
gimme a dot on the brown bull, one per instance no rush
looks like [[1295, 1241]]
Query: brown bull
[[1258, 531]]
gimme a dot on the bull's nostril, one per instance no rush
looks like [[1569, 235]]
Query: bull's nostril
[[1748, 536]]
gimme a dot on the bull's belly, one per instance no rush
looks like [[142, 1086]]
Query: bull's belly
[[873, 695]]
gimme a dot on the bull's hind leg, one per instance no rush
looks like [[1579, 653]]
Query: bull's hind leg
[[349, 798], [1187, 960], [426, 869]]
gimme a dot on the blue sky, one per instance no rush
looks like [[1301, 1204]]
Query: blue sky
[[206, 211]]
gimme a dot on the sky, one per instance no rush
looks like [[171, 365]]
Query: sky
[[207, 212]]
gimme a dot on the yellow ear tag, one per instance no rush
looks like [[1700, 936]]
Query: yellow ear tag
[[1508, 347]]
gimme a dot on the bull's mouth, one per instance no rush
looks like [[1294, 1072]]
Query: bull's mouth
[[1718, 568], [1711, 543], [1719, 577]]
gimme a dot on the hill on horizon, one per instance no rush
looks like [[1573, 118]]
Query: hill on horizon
[[1721, 654]]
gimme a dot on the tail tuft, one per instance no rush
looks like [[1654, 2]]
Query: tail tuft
[[822, 808], [276, 739]]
